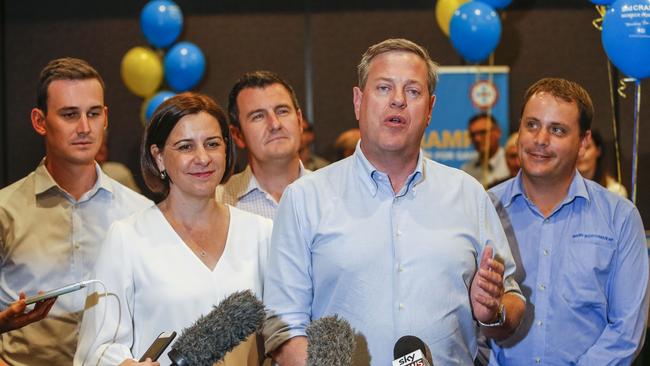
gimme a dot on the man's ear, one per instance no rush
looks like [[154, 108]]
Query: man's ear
[[105, 117], [357, 97], [38, 121], [299, 113], [238, 137], [432, 102], [496, 130]]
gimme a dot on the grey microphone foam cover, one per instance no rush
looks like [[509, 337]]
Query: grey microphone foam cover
[[331, 342], [217, 333]]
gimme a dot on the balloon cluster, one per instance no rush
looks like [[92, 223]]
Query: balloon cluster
[[626, 36], [143, 68], [474, 27]]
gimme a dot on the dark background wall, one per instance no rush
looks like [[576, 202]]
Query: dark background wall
[[540, 38]]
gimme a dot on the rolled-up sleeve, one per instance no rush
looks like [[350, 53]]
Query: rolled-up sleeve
[[288, 288]]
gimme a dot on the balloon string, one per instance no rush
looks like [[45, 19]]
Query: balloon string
[[621, 88], [598, 22], [635, 142], [617, 148], [486, 151]]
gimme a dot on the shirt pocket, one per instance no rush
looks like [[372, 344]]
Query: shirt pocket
[[583, 277]]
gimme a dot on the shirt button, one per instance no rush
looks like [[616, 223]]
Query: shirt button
[[546, 221], [539, 322], [546, 251], [399, 232], [542, 287], [400, 268], [538, 360], [401, 306]]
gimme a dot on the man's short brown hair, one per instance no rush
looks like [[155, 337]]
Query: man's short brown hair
[[66, 68], [259, 79], [568, 91]]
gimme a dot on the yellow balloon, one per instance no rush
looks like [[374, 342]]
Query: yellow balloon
[[444, 11], [142, 71]]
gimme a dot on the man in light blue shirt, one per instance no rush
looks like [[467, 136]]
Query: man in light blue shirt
[[580, 250], [387, 239]]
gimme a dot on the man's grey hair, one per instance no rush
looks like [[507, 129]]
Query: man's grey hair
[[402, 45]]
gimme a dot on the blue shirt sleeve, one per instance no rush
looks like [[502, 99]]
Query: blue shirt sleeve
[[288, 291]]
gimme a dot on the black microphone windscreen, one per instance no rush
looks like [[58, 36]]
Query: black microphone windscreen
[[407, 344], [215, 334], [330, 342]]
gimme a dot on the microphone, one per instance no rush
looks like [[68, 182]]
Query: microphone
[[409, 351], [217, 333], [330, 342]]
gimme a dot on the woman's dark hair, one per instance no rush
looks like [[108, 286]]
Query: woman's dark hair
[[161, 125]]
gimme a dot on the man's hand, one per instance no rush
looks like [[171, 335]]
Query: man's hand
[[14, 316], [487, 288], [486, 294], [292, 352], [147, 362]]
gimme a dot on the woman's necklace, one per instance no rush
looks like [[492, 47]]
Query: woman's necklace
[[197, 248], [184, 233], [202, 251]]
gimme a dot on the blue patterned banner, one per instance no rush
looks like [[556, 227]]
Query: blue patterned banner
[[462, 92]]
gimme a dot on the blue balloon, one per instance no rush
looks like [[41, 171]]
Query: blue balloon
[[161, 22], [156, 101], [602, 2], [475, 30], [626, 37], [497, 4], [184, 66]]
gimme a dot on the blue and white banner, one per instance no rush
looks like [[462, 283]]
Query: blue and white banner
[[462, 92]]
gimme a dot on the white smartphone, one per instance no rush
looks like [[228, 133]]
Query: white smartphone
[[57, 292]]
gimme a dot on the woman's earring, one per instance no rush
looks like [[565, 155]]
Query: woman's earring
[[163, 175]]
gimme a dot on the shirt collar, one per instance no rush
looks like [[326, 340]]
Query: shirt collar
[[247, 176], [577, 188], [369, 174], [43, 182], [514, 189]]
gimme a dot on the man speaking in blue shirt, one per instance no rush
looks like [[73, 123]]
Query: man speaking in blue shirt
[[387, 239], [580, 250]]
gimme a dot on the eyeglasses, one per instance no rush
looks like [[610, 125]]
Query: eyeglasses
[[478, 133]]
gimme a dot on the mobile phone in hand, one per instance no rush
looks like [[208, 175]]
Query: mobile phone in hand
[[158, 346], [57, 292]]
